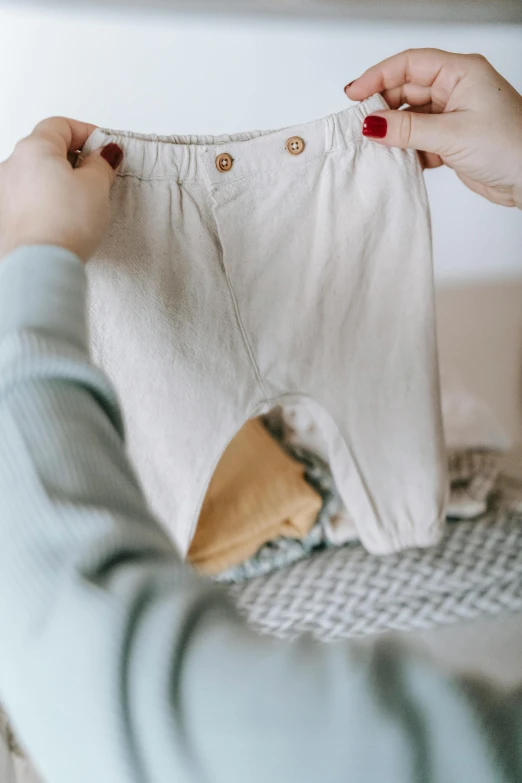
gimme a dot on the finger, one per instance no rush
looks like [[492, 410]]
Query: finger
[[421, 67], [428, 160], [62, 135], [411, 130], [102, 165], [411, 94]]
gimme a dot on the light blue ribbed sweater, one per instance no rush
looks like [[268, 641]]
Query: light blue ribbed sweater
[[119, 664]]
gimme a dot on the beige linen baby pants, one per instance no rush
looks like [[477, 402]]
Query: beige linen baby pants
[[270, 267]]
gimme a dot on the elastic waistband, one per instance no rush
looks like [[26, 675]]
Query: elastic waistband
[[183, 158]]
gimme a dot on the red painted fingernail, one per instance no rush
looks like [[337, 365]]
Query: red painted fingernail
[[349, 85], [113, 154], [376, 127]]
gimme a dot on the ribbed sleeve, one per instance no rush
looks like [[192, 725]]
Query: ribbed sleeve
[[118, 663]]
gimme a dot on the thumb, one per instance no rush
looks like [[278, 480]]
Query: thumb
[[102, 164], [410, 130]]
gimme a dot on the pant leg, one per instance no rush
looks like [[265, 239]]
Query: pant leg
[[331, 264], [163, 326]]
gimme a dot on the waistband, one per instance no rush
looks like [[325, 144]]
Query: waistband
[[184, 158]]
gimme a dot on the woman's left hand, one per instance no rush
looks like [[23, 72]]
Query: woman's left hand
[[45, 201]]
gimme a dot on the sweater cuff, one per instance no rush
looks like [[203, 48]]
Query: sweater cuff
[[43, 288]]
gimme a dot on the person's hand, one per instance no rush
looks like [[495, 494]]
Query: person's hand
[[461, 112], [44, 200]]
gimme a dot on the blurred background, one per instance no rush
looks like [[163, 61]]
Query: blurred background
[[208, 68]]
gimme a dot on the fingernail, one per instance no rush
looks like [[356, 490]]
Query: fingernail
[[376, 127], [348, 85], [113, 154]]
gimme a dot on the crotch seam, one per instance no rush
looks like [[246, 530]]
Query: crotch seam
[[239, 320]]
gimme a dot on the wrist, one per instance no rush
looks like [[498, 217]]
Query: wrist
[[42, 239], [13, 248]]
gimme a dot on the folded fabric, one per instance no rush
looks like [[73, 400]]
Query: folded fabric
[[475, 441], [258, 493], [476, 486], [473, 475]]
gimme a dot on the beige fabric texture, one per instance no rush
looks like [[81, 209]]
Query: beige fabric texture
[[287, 278], [257, 494]]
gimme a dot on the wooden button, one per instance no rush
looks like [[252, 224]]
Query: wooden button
[[295, 145], [224, 162]]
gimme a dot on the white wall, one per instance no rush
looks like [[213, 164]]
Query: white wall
[[180, 74]]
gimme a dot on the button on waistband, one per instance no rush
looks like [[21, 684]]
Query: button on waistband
[[295, 145], [224, 162]]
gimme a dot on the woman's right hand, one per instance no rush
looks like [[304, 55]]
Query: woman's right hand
[[461, 112]]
